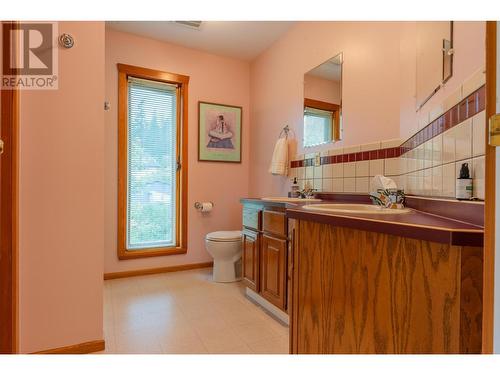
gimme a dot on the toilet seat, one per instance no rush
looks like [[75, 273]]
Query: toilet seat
[[224, 236]]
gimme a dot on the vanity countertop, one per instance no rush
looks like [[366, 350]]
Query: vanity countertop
[[415, 224]]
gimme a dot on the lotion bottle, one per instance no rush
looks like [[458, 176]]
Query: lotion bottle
[[464, 184]]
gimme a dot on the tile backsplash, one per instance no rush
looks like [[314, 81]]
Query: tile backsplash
[[427, 164]]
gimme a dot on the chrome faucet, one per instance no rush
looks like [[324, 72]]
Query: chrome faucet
[[306, 193]]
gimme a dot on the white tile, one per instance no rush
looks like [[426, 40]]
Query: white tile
[[336, 151], [338, 185], [376, 167], [350, 185], [351, 149], [448, 152], [301, 173], [474, 82], [309, 172], [437, 181], [301, 184], [463, 140], [350, 169], [479, 133], [318, 171], [328, 171], [427, 188], [309, 184], [419, 157], [327, 184], [362, 168], [391, 143], [437, 150], [293, 173], [370, 146], [310, 156], [411, 161], [318, 184], [392, 167], [362, 185], [428, 154], [338, 170], [449, 182], [479, 177]]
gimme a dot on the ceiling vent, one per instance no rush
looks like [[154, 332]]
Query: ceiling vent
[[191, 24]]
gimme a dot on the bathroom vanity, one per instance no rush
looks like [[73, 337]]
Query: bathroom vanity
[[265, 255], [367, 282]]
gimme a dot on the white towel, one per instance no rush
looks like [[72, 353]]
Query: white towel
[[279, 162]]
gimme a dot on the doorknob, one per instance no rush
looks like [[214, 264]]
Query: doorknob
[[494, 130], [1, 147]]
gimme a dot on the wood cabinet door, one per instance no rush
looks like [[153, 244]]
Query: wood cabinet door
[[250, 258], [273, 270]]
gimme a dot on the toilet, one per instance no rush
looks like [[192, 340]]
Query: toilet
[[225, 248]]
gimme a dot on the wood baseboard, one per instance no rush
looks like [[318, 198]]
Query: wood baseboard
[[82, 348], [152, 271]]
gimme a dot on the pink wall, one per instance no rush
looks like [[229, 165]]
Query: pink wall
[[370, 92], [322, 89], [61, 216], [212, 78], [469, 45]]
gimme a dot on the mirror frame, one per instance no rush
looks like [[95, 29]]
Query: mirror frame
[[335, 108]]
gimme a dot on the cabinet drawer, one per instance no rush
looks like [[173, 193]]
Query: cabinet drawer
[[252, 218], [274, 222]]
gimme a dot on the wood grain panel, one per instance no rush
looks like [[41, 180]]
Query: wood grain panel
[[273, 270], [471, 300], [82, 348], [250, 259], [367, 292], [274, 222]]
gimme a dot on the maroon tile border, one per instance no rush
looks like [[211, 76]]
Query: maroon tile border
[[467, 108]]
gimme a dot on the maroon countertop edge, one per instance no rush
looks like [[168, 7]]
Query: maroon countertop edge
[[420, 224]]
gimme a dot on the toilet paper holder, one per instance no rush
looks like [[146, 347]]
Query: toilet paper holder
[[199, 205]]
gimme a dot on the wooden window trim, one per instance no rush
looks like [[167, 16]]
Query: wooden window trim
[[125, 71], [331, 107]]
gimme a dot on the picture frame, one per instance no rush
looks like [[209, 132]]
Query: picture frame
[[219, 132]]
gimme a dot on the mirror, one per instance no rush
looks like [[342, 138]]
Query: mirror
[[434, 57], [323, 103]]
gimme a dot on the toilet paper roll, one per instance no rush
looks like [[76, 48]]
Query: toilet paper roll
[[206, 206]]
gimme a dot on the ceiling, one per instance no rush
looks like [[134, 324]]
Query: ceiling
[[243, 40], [330, 70]]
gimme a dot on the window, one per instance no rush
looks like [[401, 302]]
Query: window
[[317, 126], [321, 122], [152, 162]]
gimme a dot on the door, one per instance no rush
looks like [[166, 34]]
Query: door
[[250, 257], [8, 121], [273, 270]]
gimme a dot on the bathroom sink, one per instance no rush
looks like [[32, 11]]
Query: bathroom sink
[[349, 208], [291, 200]]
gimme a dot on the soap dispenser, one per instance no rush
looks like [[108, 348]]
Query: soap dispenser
[[294, 190], [464, 184]]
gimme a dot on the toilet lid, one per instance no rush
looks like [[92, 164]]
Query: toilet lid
[[224, 235]]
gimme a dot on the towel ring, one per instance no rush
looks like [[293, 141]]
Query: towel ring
[[284, 131]]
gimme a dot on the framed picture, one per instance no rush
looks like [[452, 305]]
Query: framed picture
[[219, 132]]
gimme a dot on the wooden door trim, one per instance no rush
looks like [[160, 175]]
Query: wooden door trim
[[489, 206], [9, 211]]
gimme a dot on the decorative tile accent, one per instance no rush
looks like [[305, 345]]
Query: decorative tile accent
[[425, 164]]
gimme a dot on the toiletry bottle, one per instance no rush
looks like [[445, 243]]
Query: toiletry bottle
[[295, 188], [464, 183]]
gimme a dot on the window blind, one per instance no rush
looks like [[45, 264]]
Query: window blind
[[151, 164]]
